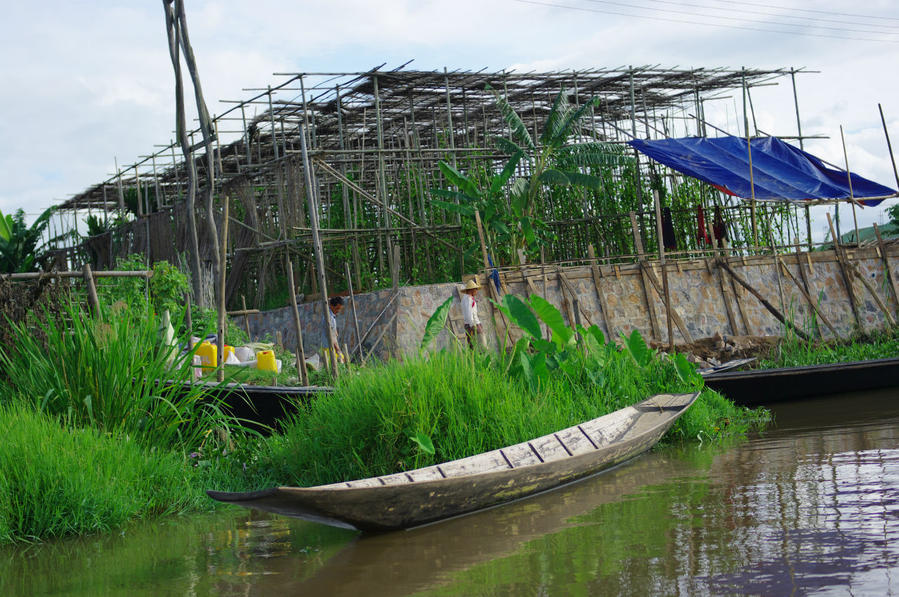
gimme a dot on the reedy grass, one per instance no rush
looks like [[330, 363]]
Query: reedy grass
[[106, 373], [466, 406], [795, 352]]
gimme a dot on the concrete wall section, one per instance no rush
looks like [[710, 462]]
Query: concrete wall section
[[700, 293]]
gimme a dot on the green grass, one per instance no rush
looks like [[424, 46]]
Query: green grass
[[794, 352], [61, 481], [57, 482], [465, 406], [104, 374]]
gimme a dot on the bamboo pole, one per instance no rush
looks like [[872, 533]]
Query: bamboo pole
[[886, 262], [597, 277], [349, 282], [889, 145], [638, 244], [92, 297], [298, 327], [246, 315], [317, 248], [771, 308], [841, 260], [223, 272], [805, 294], [667, 296], [849, 180], [755, 232]]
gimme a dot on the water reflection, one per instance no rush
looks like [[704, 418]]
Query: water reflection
[[811, 507]]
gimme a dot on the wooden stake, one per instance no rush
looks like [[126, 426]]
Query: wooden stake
[[873, 292], [807, 285], [841, 259], [638, 244], [667, 296], [806, 295], [674, 314], [349, 282], [223, 270], [246, 316], [297, 326], [771, 308], [887, 265], [597, 276], [92, 298]]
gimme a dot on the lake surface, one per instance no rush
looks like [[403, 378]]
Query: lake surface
[[810, 507]]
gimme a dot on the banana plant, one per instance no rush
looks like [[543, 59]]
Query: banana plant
[[512, 209], [21, 249]]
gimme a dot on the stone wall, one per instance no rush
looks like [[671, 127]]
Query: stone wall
[[700, 293]]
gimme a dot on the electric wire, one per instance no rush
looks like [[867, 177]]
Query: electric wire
[[694, 22], [778, 14]]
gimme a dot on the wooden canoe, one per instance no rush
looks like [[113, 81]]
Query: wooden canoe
[[425, 495]]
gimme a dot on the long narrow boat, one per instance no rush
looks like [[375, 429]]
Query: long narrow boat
[[765, 386], [425, 495]]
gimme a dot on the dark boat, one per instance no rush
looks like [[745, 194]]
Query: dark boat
[[765, 386], [433, 493], [259, 407]]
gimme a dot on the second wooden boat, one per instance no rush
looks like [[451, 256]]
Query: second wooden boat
[[412, 498], [766, 386]]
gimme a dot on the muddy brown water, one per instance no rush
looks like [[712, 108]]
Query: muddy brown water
[[809, 507]]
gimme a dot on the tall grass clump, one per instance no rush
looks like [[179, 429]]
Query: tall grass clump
[[57, 481], [796, 352], [110, 373], [452, 404]]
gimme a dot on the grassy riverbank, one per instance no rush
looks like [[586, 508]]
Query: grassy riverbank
[[398, 416], [91, 440]]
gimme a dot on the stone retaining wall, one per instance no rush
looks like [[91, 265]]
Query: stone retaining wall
[[700, 293]]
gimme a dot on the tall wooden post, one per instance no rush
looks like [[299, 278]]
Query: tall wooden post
[[317, 244], [658, 206], [298, 327], [223, 269], [755, 230]]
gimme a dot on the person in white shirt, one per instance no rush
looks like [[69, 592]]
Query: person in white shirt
[[473, 329]]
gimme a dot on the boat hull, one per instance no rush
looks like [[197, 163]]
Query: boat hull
[[426, 495], [766, 386]]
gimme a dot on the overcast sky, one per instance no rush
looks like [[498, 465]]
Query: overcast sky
[[85, 82]]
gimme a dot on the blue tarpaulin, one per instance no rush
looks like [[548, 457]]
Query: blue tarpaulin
[[779, 171]]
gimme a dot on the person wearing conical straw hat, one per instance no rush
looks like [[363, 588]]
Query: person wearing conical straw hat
[[473, 329]]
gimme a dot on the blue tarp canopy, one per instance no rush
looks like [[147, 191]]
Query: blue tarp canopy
[[780, 171]]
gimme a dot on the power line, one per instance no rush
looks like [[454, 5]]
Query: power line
[[812, 10], [778, 14], [632, 6], [693, 22]]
